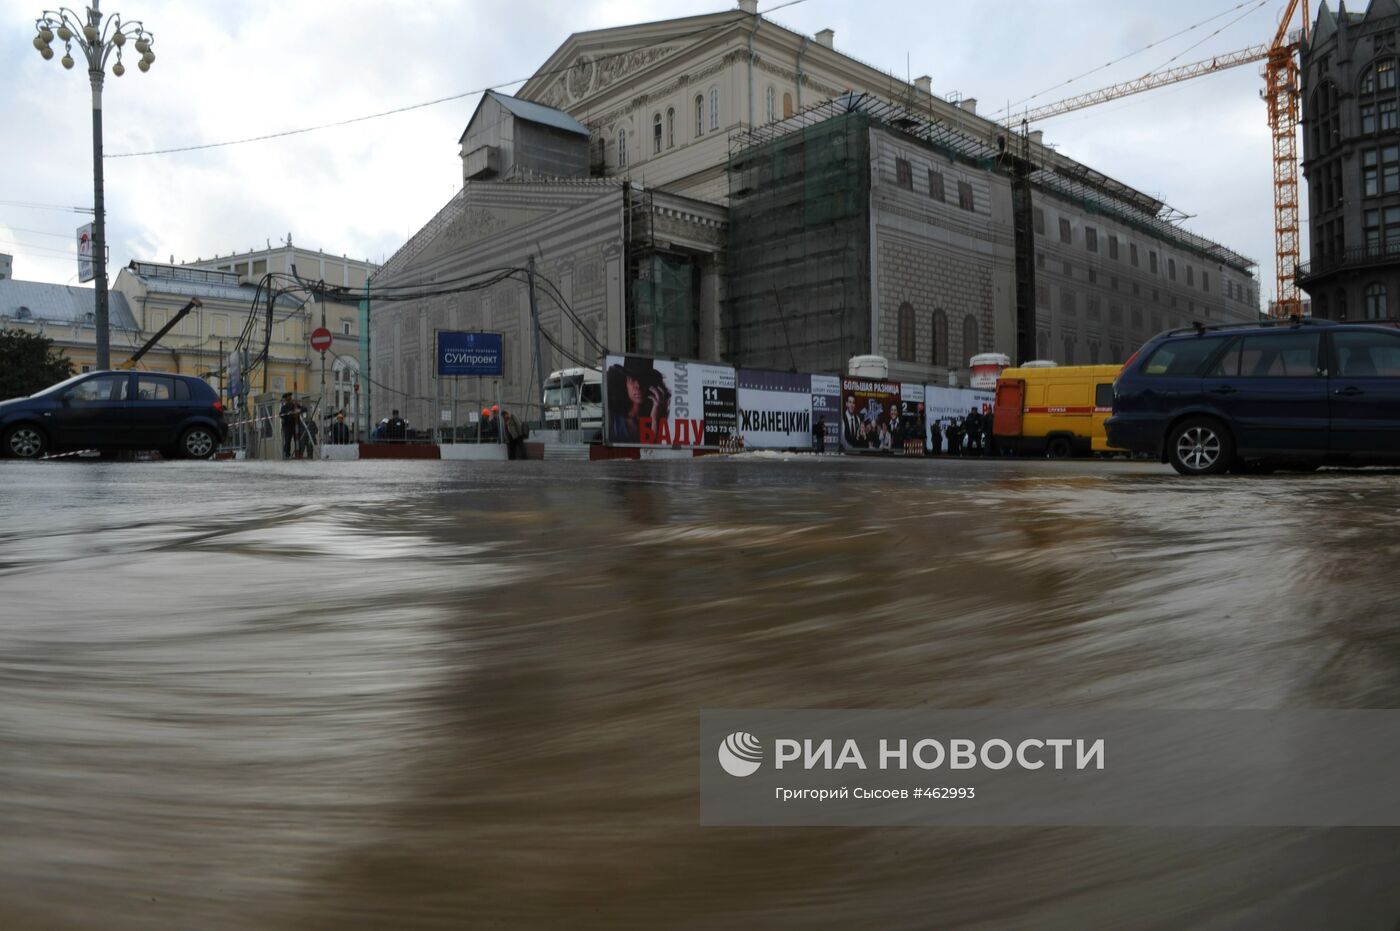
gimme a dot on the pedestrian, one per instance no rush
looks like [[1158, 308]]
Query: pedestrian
[[819, 435], [395, 428], [516, 433], [339, 432], [935, 438], [972, 432], [955, 434], [290, 415]]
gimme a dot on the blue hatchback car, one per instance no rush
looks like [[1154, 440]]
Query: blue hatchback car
[[1255, 397]]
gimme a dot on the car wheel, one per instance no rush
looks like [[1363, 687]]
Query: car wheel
[[1201, 446], [198, 443], [1059, 448], [25, 442]]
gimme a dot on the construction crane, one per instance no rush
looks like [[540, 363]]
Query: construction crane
[[1282, 93]]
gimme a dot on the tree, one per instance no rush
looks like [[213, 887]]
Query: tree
[[29, 363]]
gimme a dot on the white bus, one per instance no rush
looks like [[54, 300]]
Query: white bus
[[573, 400]]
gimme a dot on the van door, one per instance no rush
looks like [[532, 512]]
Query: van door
[[1010, 402], [1365, 394], [1272, 390]]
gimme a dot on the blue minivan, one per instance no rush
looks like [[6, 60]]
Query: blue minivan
[[1255, 397]]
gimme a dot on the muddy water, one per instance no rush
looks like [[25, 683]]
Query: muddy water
[[443, 695]]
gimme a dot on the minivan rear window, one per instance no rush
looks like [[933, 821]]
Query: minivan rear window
[[1182, 358]]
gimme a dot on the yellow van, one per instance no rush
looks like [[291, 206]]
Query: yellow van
[[1055, 411]]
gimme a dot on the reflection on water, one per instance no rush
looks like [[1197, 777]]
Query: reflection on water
[[447, 695]]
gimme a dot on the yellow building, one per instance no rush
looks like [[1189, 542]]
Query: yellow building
[[65, 315]]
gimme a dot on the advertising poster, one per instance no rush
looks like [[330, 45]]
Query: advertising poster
[[655, 402], [911, 415], [775, 409], [868, 411], [826, 407], [943, 405]]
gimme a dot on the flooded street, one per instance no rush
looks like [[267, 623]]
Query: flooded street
[[446, 695]]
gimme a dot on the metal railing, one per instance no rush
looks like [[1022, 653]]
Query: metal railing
[[1381, 253]]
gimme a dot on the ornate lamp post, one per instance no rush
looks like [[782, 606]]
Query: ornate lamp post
[[97, 40]]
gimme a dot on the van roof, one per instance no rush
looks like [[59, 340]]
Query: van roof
[[1063, 372]]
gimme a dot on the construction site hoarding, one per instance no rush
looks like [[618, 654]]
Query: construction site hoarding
[[944, 405], [671, 404], [826, 407]]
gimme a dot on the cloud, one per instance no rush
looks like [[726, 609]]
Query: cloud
[[227, 71]]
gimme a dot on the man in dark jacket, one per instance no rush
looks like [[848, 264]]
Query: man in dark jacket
[[339, 432], [290, 415]]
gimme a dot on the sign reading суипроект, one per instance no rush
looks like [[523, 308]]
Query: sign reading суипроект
[[1026, 768], [468, 354]]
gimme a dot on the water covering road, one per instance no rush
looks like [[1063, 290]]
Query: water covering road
[[441, 695]]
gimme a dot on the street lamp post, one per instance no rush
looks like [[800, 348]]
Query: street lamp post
[[97, 40]]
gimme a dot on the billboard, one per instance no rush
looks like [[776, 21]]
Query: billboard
[[826, 407], [658, 402], [85, 270], [911, 415], [468, 354], [946, 404], [868, 411], [775, 409]]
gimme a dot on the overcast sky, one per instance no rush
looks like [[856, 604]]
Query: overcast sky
[[248, 67]]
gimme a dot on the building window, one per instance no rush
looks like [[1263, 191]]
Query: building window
[[656, 134], [1040, 260], [939, 350], [935, 185], [1132, 254], [1341, 304], [1381, 238], [1385, 75], [905, 349], [1191, 275], [345, 327], [1388, 115], [970, 347], [1042, 342], [1091, 239], [772, 103], [1069, 350], [1205, 281], [699, 115], [965, 195], [787, 105], [670, 127], [1066, 235], [622, 148], [1113, 247], [1039, 222], [903, 173], [1068, 269], [1368, 118], [1171, 269], [714, 108], [1152, 262], [1375, 302]]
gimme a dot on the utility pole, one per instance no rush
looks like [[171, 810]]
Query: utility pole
[[535, 316]]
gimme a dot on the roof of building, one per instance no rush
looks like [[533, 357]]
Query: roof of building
[[539, 113], [199, 282], [60, 304]]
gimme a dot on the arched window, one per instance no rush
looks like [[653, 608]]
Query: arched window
[[1069, 350], [699, 114], [714, 108], [1093, 353], [1341, 304], [1375, 302], [772, 104], [670, 127], [905, 349], [787, 105], [622, 148], [970, 340], [938, 354], [656, 134], [1042, 341]]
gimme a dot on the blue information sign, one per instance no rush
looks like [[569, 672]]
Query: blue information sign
[[469, 353]]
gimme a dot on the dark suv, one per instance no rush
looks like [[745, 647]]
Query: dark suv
[[179, 415], [1259, 396]]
